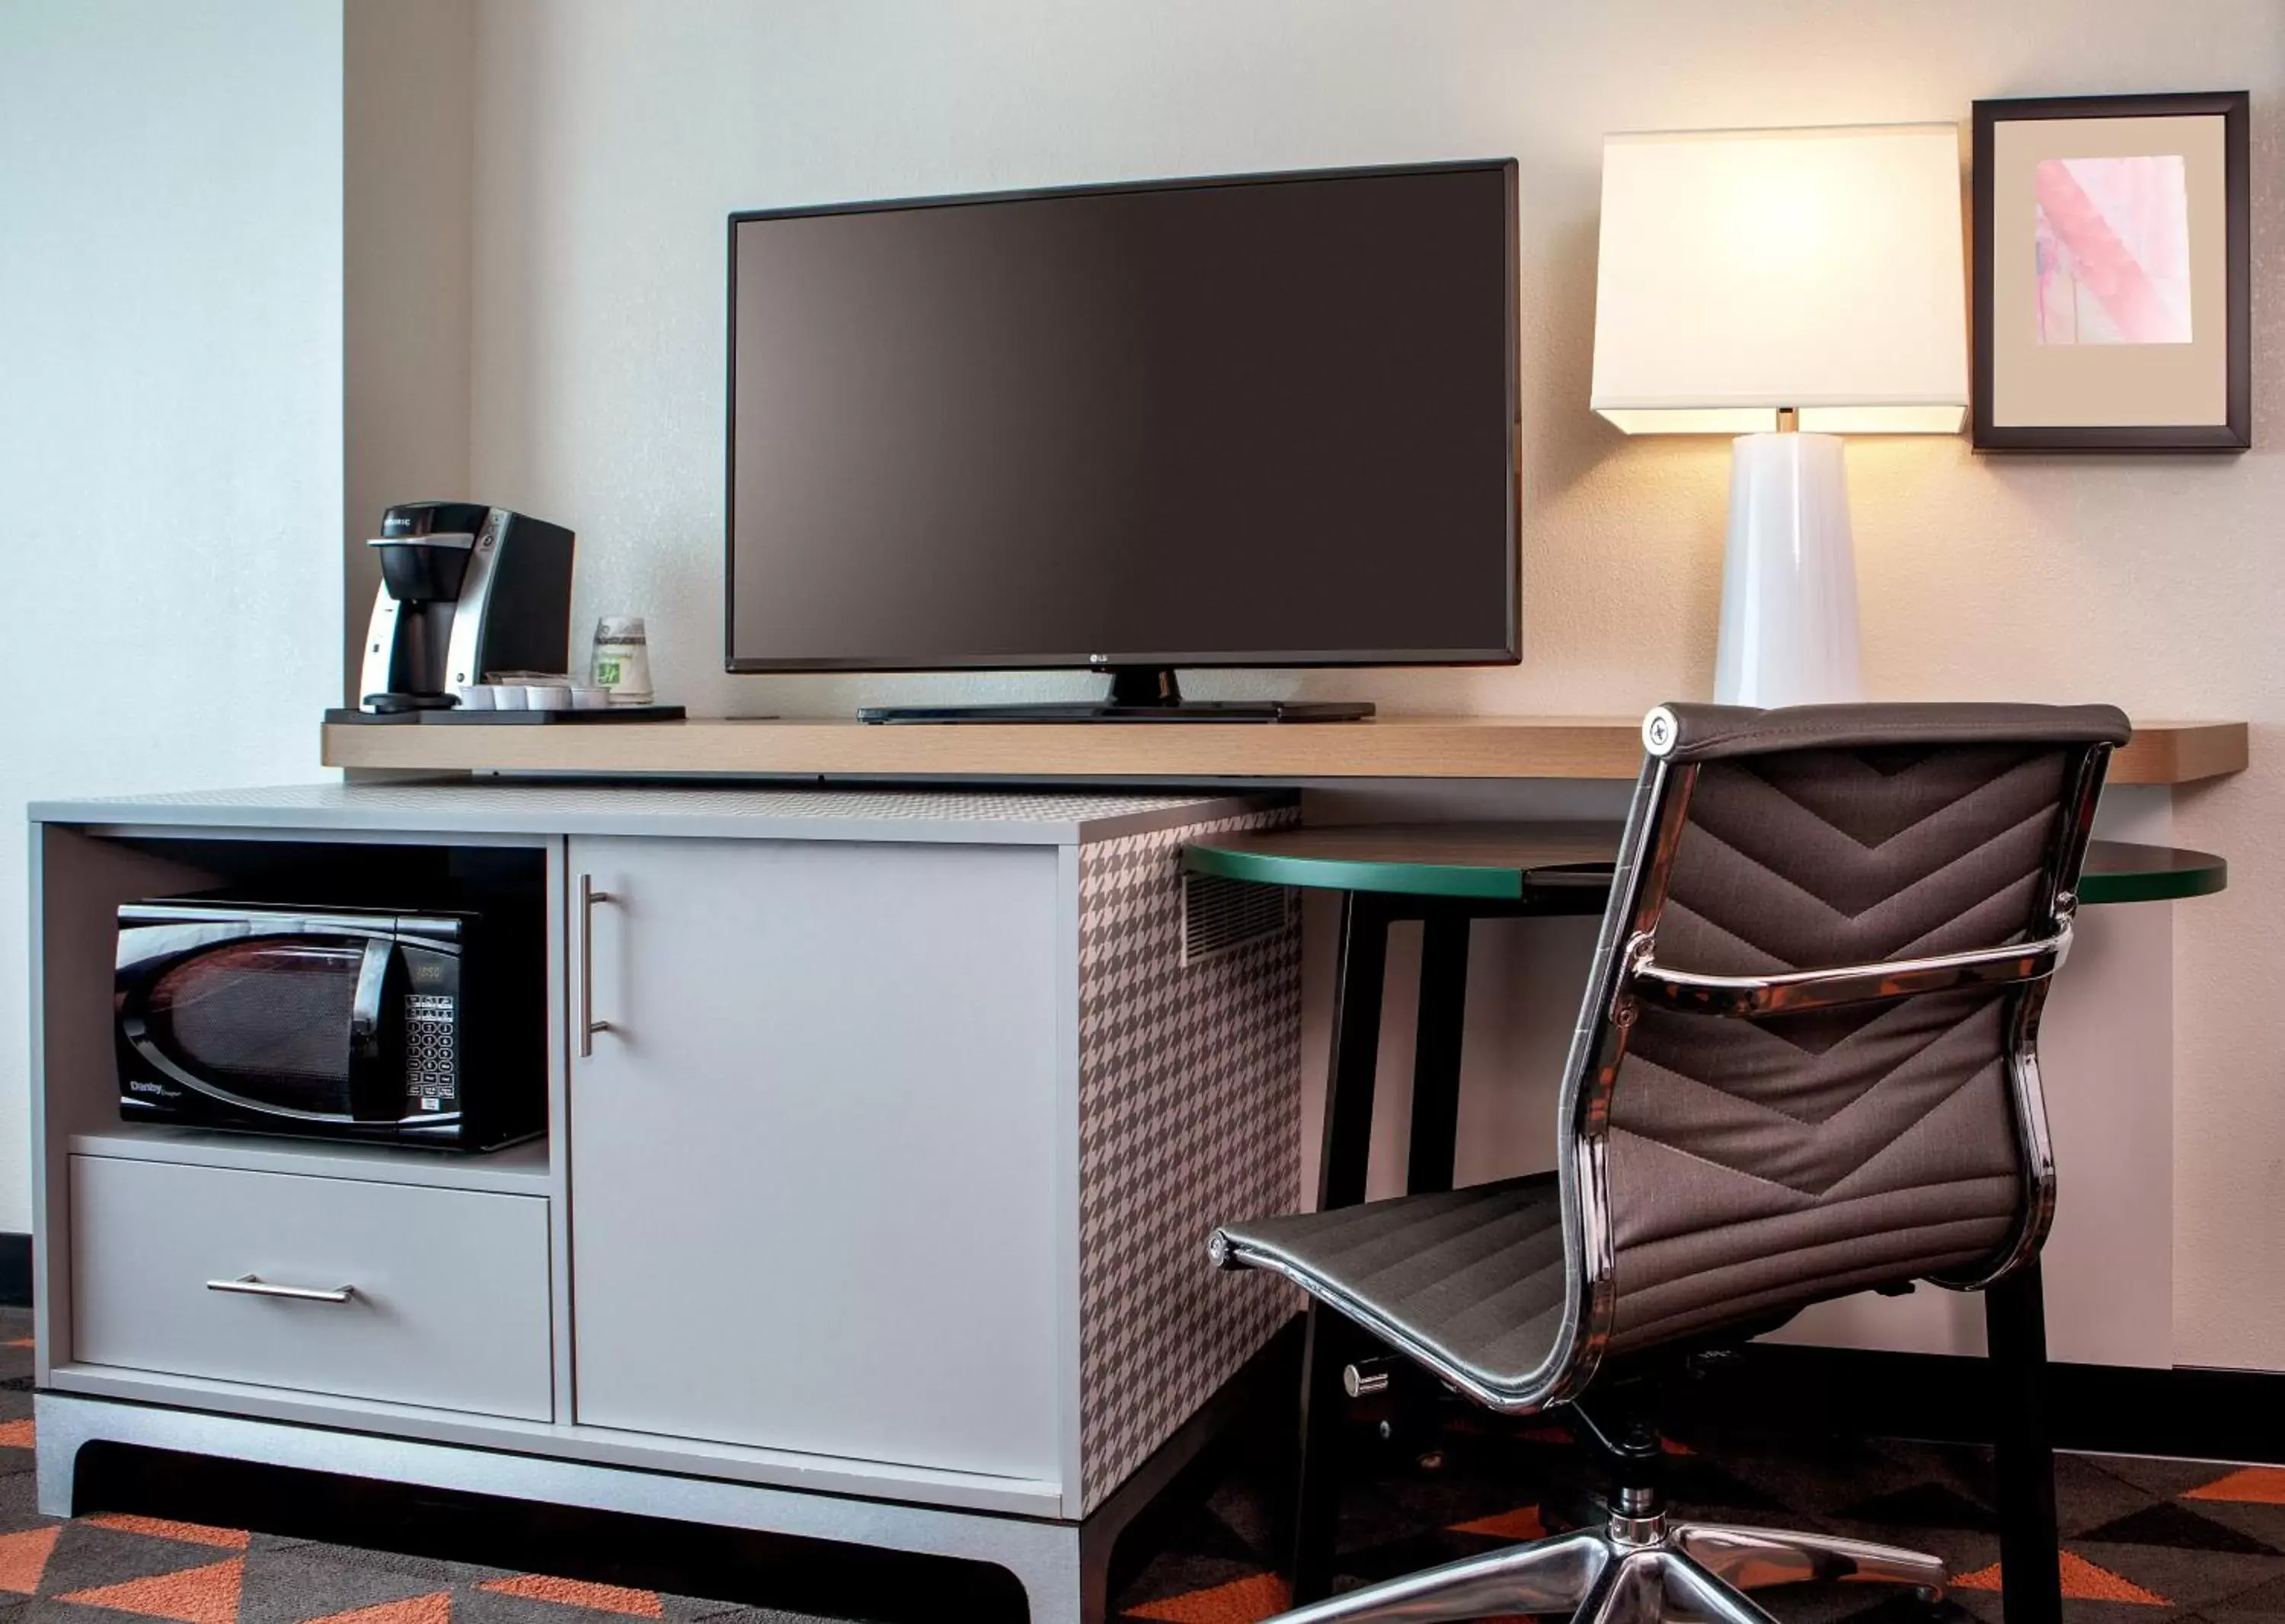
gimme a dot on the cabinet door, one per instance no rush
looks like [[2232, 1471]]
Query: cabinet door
[[814, 1158]]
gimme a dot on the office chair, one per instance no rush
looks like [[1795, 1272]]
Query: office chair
[[1806, 1066]]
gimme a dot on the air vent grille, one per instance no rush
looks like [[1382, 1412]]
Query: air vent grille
[[1221, 916]]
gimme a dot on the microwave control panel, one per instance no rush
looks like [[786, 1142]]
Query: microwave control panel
[[431, 1065]]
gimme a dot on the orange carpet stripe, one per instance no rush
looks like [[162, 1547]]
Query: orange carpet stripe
[[16, 1434], [579, 1593], [1521, 1524], [2249, 1486], [164, 1529], [195, 1595], [435, 1608], [24, 1558], [1241, 1601], [17, 1342], [2083, 1581]]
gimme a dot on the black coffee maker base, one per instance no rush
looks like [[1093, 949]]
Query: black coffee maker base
[[398, 704], [508, 719]]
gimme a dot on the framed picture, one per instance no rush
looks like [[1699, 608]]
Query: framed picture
[[2112, 274]]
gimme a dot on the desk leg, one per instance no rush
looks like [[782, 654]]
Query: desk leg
[[2030, 1575], [1436, 1052], [1437, 1031], [1358, 976]]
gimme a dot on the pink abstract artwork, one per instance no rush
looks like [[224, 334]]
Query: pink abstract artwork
[[2112, 251]]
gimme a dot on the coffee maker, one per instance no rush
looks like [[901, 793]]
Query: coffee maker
[[464, 588]]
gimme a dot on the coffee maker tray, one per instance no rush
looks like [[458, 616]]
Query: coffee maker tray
[[509, 718]]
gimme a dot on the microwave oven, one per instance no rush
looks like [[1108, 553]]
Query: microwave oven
[[420, 1028]]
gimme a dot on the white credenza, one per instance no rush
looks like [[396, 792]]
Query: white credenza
[[885, 1128]]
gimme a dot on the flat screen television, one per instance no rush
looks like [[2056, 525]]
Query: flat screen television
[[1260, 421]]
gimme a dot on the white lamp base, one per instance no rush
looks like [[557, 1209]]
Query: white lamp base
[[1789, 577]]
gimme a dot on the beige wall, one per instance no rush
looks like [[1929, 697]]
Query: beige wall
[[612, 137], [407, 169]]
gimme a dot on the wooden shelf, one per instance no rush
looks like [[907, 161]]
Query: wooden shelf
[[1480, 747], [519, 1170]]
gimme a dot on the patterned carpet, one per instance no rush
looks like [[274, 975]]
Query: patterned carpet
[[2145, 1540]]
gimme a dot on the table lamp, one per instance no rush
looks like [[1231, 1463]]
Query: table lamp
[[1788, 286]]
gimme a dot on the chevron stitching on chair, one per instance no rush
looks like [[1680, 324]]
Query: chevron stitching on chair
[[1827, 785], [1874, 924], [1809, 1082], [1701, 1119], [1785, 1159]]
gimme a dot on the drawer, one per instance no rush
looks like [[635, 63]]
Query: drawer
[[448, 1288]]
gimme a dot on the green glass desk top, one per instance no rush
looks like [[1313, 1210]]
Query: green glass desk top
[[2123, 871], [1507, 861]]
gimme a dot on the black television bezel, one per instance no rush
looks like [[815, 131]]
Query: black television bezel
[[1510, 653]]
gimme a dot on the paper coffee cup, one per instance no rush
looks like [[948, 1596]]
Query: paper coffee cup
[[623, 659]]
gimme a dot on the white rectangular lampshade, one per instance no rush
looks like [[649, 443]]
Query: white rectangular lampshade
[[1745, 271]]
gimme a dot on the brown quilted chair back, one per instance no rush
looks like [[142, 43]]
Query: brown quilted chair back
[[1754, 1165]]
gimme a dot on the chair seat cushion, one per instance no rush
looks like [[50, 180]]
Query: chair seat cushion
[[1469, 1281]]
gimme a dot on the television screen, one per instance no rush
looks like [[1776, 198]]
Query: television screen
[[1255, 421]]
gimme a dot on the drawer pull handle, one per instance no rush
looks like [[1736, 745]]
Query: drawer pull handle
[[588, 1025], [251, 1285]]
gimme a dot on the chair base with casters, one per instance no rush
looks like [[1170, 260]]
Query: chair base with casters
[[1441, 1256], [1640, 1567]]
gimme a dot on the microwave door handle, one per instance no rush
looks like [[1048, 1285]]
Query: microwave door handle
[[373, 1095]]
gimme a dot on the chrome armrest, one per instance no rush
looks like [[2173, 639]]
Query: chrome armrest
[[1794, 991]]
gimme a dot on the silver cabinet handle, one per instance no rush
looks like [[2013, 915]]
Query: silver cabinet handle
[[253, 1285], [588, 1025]]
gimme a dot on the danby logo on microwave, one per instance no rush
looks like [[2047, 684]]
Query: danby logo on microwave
[[136, 1085]]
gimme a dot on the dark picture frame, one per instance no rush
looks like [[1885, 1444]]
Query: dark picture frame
[[2234, 432]]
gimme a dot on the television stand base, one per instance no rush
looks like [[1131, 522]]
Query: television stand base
[[1084, 710], [1138, 693]]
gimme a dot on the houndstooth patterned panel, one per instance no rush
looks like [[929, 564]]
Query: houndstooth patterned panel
[[1189, 1085]]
